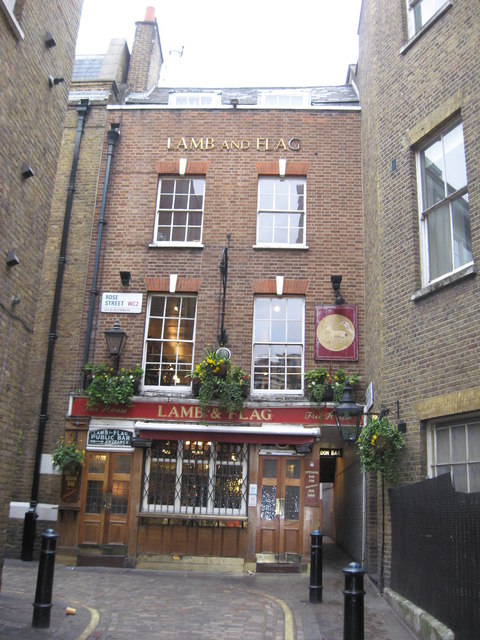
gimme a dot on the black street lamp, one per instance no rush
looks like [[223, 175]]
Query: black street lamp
[[348, 416], [115, 338]]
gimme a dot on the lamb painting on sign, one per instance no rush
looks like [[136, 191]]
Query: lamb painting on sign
[[336, 332]]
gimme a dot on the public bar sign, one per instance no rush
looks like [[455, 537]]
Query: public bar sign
[[312, 487], [110, 438], [121, 302], [336, 332]]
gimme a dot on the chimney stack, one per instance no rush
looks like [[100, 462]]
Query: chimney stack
[[146, 59]]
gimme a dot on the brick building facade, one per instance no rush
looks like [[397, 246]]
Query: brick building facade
[[236, 143], [37, 42], [419, 94]]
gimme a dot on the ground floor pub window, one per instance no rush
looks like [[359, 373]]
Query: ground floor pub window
[[196, 477], [454, 448]]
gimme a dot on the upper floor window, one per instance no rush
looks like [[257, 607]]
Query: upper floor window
[[278, 339], [169, 340], [454, 448], [193, 100], [420, 12], [281, 211], [179, 215], [444, 209], [284, 99]]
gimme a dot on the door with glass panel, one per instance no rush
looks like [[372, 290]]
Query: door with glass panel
[[280, 506], [104, 513]]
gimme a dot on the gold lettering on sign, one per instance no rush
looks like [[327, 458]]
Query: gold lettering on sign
[[207, 144], [225, 145], [262, 144], [281, 145], [196, 145], [294, 144]]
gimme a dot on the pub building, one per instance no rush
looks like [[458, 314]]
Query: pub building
[[213, 222]]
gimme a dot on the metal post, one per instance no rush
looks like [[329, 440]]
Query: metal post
[[353, 621], [29, 530], [316, 586], [43, 595]]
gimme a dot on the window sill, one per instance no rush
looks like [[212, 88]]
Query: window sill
[[190, 516], [175, 245], [12, 21], [466, 272], [426, 26], [296, 247]]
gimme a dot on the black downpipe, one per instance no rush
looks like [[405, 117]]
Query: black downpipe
[[112, 137], [31, 515]]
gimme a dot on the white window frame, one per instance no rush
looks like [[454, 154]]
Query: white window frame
[[275, 391], [433, 430], [417, 23], [188, 211], [8, 7], [209, 509], [424, 213], [194, 100], [279, 214], [171, 388], [285, 99]]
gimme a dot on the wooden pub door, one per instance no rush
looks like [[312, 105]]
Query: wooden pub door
[[280, 507], [104, 504]]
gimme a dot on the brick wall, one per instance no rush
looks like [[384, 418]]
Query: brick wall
[[31, 121], [428, 348]]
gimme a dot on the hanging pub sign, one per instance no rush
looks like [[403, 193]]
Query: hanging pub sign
[[336, 336]]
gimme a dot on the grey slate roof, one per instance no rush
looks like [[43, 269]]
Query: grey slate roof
[[329, 96], [87, 68]]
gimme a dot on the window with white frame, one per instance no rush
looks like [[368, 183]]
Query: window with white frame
[[169, 340], [455, 449], [443, 204], [420, 12], [12, 14], [278, 339], [285, 98], [192, 100], [281, 211], [179, 215], [196, 477]]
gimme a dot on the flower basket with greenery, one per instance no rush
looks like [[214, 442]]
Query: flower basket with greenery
[[108, 389], [322, 385], [378, 445], [220, 383], [65, 455]]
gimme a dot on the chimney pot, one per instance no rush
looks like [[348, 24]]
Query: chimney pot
[[150, 14]]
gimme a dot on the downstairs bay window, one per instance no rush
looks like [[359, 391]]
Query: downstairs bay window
[[196, 478], [454, 448]]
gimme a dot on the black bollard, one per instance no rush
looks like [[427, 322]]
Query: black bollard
[[316, 586], [43, 595], [353, 622]]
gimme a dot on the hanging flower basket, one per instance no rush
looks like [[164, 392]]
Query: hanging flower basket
[[378, 445]]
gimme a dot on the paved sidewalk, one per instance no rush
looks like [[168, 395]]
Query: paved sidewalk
[[126, 604]]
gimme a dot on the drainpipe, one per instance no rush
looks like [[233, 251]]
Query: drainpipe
[[31, 515], [112, 137]]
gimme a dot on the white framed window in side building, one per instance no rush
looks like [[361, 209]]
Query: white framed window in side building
[[420, 12], [278, 344], [179, 217], [196, 478], [454, 448], [281, 215], [194, 100], [284, 99], [446, 244], [169, 341]]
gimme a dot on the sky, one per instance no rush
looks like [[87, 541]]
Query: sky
[[243, 43]]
